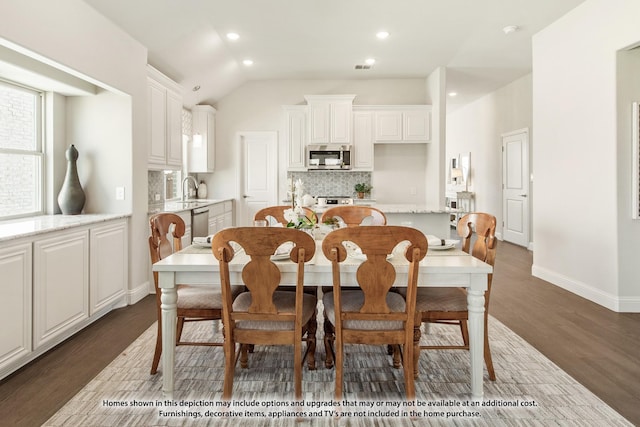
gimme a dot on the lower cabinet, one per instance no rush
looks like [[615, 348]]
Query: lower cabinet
[[54, 284], [60, 284], [220, 216], [16, 313]]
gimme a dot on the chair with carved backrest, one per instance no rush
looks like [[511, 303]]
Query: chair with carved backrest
[[265, 315], [449, 305], [373, 314], [277, 213], [354, 215], [194, 303]]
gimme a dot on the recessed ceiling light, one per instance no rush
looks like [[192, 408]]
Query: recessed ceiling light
[[382, 35], [370, 61], [233, 36], [510, 29], [247, 62], [452, 94]]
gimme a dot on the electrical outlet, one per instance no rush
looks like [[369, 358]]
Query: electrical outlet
[[157, 197], [119, 193]]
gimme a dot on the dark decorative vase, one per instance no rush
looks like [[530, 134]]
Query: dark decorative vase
[[71, 197]]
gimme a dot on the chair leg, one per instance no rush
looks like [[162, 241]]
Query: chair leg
[[329, 338], [389, 349], [416, 349], [229, 368], [409, 376], [311, 342], [158, 352], [297, 369], [339, 366], [180, 326], [397, 356], [464, 328], [244, 357], [487, 352]]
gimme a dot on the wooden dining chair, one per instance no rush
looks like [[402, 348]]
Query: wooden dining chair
[[354, 215], [264, 315], [449, 305], [195, 303], [373, 314], [277, 213]]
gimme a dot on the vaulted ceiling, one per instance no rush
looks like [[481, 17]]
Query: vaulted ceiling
[[312, 39]]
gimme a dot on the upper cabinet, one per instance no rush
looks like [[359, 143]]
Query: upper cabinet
[[330, 118], [404, 123], [164, 121], [201, 148], [362, 140], [295, 130]]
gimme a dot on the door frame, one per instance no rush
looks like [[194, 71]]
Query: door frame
[[241, 150], [527, 181]]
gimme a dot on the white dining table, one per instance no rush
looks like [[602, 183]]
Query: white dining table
[[451, 268]]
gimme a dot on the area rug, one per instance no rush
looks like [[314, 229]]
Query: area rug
[[529, 391]]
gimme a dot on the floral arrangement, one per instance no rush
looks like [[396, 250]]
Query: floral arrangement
[[297, 219]]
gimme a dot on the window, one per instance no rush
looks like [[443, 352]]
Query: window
[[21, 152]]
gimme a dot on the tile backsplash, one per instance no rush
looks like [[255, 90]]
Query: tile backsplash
[[330, 183]]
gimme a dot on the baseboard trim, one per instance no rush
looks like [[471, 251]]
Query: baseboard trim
[[607, 300], [139, 292]]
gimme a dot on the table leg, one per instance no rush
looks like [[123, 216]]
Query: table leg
[[475, 301], [169, 299]]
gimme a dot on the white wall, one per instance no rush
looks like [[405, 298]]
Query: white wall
[[477, 128], [72, 36], [584, 238], [257, 106]]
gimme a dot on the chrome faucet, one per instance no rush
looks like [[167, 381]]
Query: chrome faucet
[[185, 193]]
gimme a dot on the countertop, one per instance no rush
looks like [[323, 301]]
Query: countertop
[[24, 227], [180, 206], [391, 208]]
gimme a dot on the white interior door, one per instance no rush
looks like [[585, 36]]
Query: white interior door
[[515, 187], [258, 175]]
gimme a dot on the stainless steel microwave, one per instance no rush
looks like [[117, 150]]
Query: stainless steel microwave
[[329, 157]]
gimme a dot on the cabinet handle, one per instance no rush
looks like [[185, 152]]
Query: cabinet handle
[[523, 195]]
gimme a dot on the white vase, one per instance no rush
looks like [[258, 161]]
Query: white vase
[[202, 190]]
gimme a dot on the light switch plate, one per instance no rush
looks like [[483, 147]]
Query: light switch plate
[[119, 193]]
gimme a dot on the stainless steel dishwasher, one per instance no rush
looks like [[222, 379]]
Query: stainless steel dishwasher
[[200, 222]]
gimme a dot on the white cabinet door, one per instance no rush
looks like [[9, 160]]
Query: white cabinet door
[[409, 124], [15, 292], [174, 129], [389, 126], [108, 265], [363, 140], [157, 122], [416, 125], [295, 130], [340, 123], [60, 284], [201, 148], [164, 121], [330, 118]]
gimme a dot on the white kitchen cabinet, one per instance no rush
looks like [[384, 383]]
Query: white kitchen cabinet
[[363, 139], [407, 124], [164, 121], [201, 148], [295, 132], [220, 216], [15, 292], [60, 284], [330, 118], [108, 265]]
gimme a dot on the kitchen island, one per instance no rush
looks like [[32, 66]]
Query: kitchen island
[[429, 221]]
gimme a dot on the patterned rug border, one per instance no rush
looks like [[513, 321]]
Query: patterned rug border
[[125, 394]]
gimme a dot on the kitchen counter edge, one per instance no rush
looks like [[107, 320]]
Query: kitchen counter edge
[[24, 227], [174, 207]]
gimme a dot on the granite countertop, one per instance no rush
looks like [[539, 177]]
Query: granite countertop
[[392, 208], [24, 227], [180, 206]]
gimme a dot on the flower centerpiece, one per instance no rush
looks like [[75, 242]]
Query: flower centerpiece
[[296, 218]]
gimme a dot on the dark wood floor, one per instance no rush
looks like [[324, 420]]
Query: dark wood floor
[[596, 346]]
